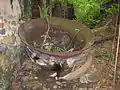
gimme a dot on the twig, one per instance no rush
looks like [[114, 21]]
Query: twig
[[48, 29], [113, 44], [116, 57]]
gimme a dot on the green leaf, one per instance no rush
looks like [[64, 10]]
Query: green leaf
[[45, 12], [40, 11]]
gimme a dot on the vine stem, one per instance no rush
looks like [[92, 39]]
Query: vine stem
[[116, 57]]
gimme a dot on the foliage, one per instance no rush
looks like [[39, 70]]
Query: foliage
[[43, 14], [27, 10], [89, 11], [113, 10]]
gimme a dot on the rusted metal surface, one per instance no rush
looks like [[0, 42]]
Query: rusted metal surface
[[32, 31]]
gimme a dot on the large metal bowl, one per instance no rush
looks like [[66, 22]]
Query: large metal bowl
[[32, 30]]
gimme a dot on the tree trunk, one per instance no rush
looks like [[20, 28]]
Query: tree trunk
[[9, 41]]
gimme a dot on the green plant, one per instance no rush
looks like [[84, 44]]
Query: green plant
[[43, 14], [88, 11], [113, 9]]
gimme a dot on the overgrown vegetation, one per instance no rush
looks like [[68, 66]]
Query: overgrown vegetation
[[93, 12], [89, 12]]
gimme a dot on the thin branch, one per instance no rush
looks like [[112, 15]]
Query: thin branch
[[116, 57], [113, 44], [48, 23], [48, 29]]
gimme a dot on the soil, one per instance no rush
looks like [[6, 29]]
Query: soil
[[34, 77]]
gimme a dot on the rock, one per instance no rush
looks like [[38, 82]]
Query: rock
[[58, 83], [36, 78], [55, 86], [93, 77]]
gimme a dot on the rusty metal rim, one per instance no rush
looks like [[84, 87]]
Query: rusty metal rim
[[58, 54]]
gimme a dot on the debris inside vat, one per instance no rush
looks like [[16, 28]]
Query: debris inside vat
[[59, 41]]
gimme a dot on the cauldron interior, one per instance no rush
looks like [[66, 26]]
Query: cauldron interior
[[32, 30]]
